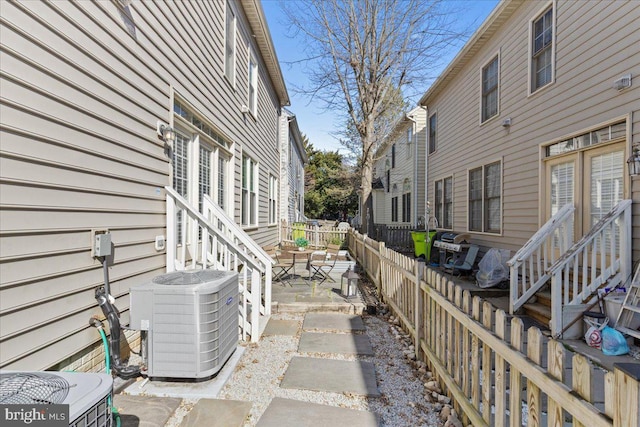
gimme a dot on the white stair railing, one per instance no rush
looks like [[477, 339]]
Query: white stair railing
[[528, 266], [213, 240], [601, 256]]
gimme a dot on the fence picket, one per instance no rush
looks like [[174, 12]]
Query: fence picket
[[500, 373], [534, 401], [486, 365], [581, 379], [475, 357], [515, 388], [555, 357]]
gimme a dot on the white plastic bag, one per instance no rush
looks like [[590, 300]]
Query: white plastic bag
[[493, 268], [593, 337]]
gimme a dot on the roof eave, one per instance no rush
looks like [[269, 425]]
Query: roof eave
[[258, 22]]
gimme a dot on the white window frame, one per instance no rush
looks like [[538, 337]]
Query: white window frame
[[409, 140], [484, 117], [484, 199], [230, 43], [249, 184], [273, 199], [533, 86], [252, 87], [432, 134], [441, 204]]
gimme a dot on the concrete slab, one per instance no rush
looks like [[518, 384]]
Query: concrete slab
[[287, 412], [144, 411], [339, 376], [217, 413], [188, 389], [318, 342], [282, 327], [333, 321]]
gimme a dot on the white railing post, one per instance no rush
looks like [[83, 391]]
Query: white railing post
[[255, 305], [626, 246], [170, 243]]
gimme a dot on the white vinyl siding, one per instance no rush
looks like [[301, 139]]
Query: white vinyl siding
[[485, 198], [230, 44], [542, 50], [490, 89]]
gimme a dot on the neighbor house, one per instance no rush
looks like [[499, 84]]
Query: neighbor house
[[156, 121], [538, 111], [293, 158], [398, 183]]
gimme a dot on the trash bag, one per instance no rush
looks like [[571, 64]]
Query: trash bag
[[613, 342], [593, 337], [493, 268]]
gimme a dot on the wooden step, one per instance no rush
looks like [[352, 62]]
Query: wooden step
[[540, 312]]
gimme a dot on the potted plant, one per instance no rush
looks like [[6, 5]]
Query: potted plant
[[301, 243]]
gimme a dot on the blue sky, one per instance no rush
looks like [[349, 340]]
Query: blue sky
[[313, 121]]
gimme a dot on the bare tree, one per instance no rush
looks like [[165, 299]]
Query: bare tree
[[363, 54]]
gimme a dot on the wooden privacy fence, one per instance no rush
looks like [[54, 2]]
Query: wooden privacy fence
[[397, 237], [317, 236], [496, 373]]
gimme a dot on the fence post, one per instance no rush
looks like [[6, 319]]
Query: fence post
[[418, 270], [627, 394]]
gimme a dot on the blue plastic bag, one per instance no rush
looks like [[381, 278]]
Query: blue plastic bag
[[613, 342]]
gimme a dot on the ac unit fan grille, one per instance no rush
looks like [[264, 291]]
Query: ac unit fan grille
[[29, 389]]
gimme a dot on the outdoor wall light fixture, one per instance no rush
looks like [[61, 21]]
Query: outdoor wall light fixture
[[633, 162], [506, 122], [166, 132]]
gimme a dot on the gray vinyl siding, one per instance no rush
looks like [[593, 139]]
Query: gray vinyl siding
[[80, 101], [596, 43]]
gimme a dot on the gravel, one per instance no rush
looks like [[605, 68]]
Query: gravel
[[257, 377]]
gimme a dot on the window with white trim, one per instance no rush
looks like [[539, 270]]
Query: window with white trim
[[542, 50], [273, 191], [394, 209], [230, 44], [253, 85], [249, 208], [485, 198], [409, 141], [444, 202], [490, 90], [433, 123], [393, 156], [406, 201]]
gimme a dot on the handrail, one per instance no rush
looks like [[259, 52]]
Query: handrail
[[528, 266], [602, 256], [584, 241], [555, 222], [237, 232], [184, 204]]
